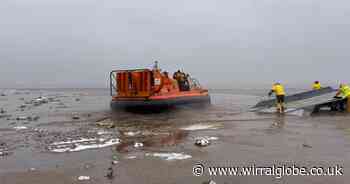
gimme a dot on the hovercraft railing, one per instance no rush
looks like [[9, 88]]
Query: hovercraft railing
[[130, 83], [113, 86]]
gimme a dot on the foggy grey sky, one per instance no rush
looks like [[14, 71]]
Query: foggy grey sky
[[224, 43]]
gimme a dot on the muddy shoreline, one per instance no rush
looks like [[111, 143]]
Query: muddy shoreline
[[67, 134]]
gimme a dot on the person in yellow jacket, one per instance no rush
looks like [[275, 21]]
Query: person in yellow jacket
[[316, 85], [278, 89], [343, 93]]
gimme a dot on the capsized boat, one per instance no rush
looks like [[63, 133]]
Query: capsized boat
[[154, 89]]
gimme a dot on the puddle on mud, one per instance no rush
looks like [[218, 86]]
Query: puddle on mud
[[152, 140]]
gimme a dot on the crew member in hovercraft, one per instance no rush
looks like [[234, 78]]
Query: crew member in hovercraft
[[167, 82], [186, 83], [183, 80]]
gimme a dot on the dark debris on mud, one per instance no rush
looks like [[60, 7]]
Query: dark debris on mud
[[4, 149]]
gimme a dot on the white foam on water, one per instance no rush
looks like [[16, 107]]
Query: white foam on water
[[170, 156], [20, 128], [80, 147], [73, 141], [83, 178], [132, 134], [103, 133], [200, 127], [290, 111], [131, 157], [213, 138], [115, 162]]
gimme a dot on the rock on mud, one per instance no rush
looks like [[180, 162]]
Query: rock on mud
[[110, 173], [307, 146], [4, 153], [202, 142], [22, 106], [4, 150], [35, 118], [138, 145], [22, 118], [27, 118], [39, 101], [75, 117], [107, 123]]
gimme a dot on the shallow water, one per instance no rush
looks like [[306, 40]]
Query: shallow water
[[243, 138]]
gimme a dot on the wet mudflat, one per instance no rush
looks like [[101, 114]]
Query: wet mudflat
[[71, 136]]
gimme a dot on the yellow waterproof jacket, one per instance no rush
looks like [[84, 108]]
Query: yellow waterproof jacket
[[316, 86], [278, 89], [345, 91]]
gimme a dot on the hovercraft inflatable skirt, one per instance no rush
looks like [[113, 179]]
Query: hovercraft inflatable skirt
[[160, 103]]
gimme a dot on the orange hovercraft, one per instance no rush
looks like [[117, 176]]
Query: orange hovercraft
[[154, 89]]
